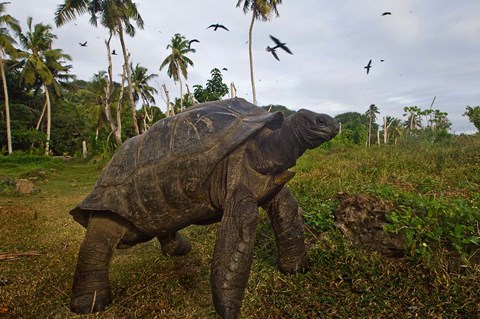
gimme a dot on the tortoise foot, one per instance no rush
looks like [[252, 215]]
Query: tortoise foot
[[92, 302], [175, 245]]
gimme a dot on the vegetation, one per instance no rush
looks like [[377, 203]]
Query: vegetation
[[473, 113], [433, 189], [177, 61], [215, 88]]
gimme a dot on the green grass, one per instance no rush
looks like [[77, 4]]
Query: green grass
[[343, 281]]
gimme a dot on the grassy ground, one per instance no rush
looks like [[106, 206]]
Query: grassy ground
[[343, 282]]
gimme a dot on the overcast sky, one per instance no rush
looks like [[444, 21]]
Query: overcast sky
[[429, 47]]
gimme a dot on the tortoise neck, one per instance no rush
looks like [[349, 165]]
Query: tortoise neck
[[276, 151]]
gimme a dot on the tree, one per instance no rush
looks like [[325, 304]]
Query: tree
[[414, 121], [7, 48], [261, 10], [473, 113], [354, 126], [43, 65], [114, 15], [215, 88], [371, 113], [143, 90], [177, 61]]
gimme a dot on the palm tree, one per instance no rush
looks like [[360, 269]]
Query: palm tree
[[177, 61], [6, 47], [114, 15], [261, 10], [142, 90], [371, 113], [414, 120], [43, 65]]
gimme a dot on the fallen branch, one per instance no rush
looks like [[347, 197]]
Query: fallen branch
[[14, 256]]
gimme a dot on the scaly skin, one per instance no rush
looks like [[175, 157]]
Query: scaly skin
[[233, 253], [288, 228], [91, 287]]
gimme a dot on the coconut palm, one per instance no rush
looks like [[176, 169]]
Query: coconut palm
[[261, 10], [177, 61], [143, 90], [7, 48], [371, 113], [44, 67], [414, 120], [115, 15]]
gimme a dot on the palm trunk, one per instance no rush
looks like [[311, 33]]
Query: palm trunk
[[129, 78], [7, 108], [115, 128], [170, 111], [250, 53], [49, 120], [181, 93]]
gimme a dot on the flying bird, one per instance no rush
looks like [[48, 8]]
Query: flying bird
[[278, 44], [382, 60], [368, 66], [191, 41], [84, 44], [225, 69], [113, 52], [274, 53], [386, 14], [216, 26]]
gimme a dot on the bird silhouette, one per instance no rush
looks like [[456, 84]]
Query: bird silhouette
[[225, 69], [216, 26], [382, 60], [368, 66], [279, 44], [191, 41], [273, 52], [113, 52], [84, 44], [386, 14]]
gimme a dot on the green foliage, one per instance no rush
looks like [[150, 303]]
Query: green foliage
[[354, 127], [433, 189], [431, 223], [279, 108], [473, 113], [215, 88]]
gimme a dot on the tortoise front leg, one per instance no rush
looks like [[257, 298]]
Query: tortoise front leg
[[233, 253], [91, 287], [174, 245], [288, 228]]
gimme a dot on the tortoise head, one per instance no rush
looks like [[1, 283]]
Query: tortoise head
[[312, 129]]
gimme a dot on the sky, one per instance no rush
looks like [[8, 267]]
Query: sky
[[429, 48]]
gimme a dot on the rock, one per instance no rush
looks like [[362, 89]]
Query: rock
[[24, 186], [361, 220]]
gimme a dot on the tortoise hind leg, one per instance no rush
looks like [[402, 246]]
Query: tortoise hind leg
[[174, 245]]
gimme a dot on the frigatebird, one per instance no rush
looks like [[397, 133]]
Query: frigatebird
[[368, 66], [216, 26], [278, 44], [191, 41], [84, 44]]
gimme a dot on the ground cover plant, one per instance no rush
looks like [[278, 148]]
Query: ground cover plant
[[434, 189]]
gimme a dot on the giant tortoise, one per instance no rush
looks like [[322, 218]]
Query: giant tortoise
[[216, 162]]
